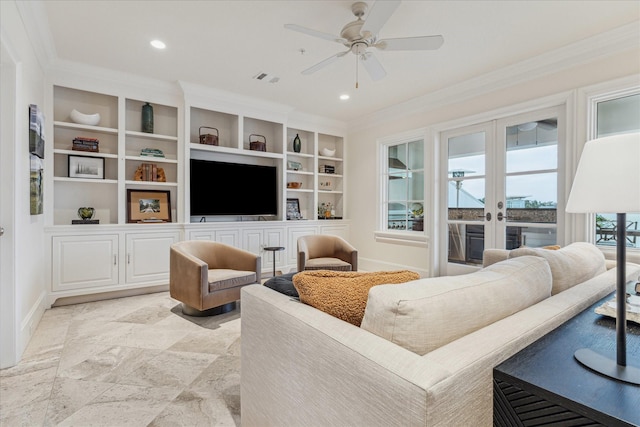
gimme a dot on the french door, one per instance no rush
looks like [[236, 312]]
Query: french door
[[501, 187]]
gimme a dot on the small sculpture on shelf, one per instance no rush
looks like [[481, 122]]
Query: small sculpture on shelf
[[147, 118], [86, 214], [297, 145]]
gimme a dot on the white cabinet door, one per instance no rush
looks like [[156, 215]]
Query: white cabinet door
[[252, 241], [292, 241], [84, 261], [148, 256], [202, 235], [229, 237]]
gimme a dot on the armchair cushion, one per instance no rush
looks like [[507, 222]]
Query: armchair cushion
[[327, 264], [223, 278]]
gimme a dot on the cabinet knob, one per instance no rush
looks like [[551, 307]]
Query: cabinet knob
[[1, 231]]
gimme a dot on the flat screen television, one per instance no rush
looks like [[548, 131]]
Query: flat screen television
[[221, 188]]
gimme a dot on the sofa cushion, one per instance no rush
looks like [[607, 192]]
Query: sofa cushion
[[343, 294], [573, 264], [283, 284], [426, 314]]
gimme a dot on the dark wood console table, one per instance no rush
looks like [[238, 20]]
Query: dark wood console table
[[545, 385]]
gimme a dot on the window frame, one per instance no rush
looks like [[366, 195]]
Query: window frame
[[383, 233], [607, 92]]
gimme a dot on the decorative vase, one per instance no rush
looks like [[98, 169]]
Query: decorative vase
[[86, 213], [147, 118], [297, 145]]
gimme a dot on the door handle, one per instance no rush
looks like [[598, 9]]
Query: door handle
[[488, 216], [500, 216]]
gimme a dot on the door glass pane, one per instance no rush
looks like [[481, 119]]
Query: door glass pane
[[532, 198], [532, 146], [467, 194], [533, 237], [466, 197], [466, 243], [466, 155]]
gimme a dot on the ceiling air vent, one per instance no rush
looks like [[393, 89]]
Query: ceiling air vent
[[266, 78]]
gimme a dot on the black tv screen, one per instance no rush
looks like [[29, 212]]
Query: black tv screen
[[220, 188]]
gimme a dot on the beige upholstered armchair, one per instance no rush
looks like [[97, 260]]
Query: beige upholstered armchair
[[324, 252], [207, 276]]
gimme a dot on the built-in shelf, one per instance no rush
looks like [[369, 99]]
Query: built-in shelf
[[77, 126]]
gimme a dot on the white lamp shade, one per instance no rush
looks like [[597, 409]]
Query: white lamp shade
[[608, 176]]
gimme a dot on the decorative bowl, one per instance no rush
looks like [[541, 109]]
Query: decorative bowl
[[294, 184], [85, 119], [327, 152]]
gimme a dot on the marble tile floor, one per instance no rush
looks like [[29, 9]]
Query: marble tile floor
[[135, 361]]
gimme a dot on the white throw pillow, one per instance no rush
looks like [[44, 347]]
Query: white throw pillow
[[425, 314], [573, 264]]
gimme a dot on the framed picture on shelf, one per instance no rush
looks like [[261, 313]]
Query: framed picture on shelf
[[148, 206], [86, 167], [293, 209]]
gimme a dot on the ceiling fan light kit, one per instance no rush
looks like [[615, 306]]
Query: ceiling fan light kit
[[360, 35]]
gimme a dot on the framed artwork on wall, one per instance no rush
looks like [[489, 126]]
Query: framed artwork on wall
[[148, 206], [36, 131]]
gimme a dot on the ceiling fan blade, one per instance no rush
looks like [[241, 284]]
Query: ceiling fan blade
[[314, 33], [373, 66], [411, 43], [325, 62], [379, 14]]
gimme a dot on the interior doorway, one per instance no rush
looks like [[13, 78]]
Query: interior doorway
[[8, 334], [501, 187]]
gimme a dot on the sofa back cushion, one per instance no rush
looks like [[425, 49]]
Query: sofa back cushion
[[425, 314], [573, 264]]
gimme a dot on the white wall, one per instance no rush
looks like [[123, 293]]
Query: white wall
[[29, 263], [362, 137]]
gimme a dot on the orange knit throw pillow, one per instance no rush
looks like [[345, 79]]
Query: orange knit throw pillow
[[344, 294]]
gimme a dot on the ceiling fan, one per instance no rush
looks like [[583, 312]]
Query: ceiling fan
[[360, 35]]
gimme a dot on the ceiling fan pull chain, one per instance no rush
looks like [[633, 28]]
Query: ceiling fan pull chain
[[356, 71]]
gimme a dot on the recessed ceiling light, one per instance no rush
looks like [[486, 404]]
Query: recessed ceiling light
[[158, 44], [344, 97]]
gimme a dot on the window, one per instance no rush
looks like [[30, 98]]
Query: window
[[403, 182], [615, 114]]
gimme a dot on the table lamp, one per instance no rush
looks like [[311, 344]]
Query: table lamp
[[608, 181]]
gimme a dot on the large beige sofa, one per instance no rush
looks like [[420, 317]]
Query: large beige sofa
[[417, 359]]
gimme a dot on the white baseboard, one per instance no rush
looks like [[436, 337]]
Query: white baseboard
[[30, 323]]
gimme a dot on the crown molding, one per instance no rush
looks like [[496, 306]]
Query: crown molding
[[36, 25], [587, 50]]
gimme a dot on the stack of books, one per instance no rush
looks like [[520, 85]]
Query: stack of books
[[151, 152], [149, 171], [82, 143], [327, 169]]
